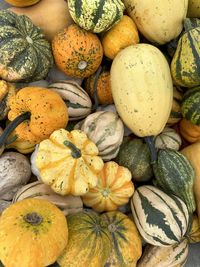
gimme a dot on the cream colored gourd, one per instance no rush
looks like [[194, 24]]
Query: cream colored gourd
[[158, 21], [142, 88], [169, 138]]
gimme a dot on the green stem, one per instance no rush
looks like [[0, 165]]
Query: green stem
[[150, 142], [76, 153], [11, 126]]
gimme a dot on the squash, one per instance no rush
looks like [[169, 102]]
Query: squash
[[68, 204], [194, 234], [114, 188], [33, 233], [134, 155], [15, 171], [159, 22], [1, 147], [76, 99], [77, 53], [50, 15], [106, 130], [185, 65], [172, 256], [96, 16], [6, 91], [190, 106], [175, 114], [161, 219], [169, 138], [123, 34], [25, 54], [192, 153], [21, 145], [193, 9], [22, 3], [189, 131], [68, 162], [3, 205]]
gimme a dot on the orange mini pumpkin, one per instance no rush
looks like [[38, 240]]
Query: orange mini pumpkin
[[189, 131], [77, 53]]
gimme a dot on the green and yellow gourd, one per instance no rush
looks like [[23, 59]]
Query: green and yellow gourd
[[185, 65]]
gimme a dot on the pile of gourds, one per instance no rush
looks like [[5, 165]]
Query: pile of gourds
[[100, 138]]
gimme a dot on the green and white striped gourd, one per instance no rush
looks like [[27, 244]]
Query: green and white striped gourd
[[174, 174], [106, 130], [162, 220], [24, 53], [96, 15], [191, 105], [76, 99], [169, 138]]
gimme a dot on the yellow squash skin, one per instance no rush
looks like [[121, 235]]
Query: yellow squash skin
[[142, 89], [193, 9], [159, 21]]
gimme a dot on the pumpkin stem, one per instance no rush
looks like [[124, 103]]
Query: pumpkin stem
[[150, 143], [76, 153], [11, 126], [96, 100], [33, 218]]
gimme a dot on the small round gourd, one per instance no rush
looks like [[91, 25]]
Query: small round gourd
[[22, 3], [169, 138], [6, 91]]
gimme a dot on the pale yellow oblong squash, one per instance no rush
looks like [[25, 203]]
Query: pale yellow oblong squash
[[142, 88]]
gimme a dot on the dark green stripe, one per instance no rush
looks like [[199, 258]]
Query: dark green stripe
[[99, 12], [74, 105], [173, 138], [192, 112], [175, 114], [178, 64], [54, 86], [178, 256], [78, 7], [191, 93]]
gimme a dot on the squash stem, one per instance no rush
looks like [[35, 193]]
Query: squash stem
[[150, 142], [11, 126], [33, 218], [76, 153], [96, 99]]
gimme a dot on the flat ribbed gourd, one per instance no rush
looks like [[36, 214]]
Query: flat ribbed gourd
[[24, 53]]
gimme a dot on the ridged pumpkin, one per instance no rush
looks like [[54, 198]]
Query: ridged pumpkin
[[77, 53], [189, 131], [123, 34], [6, 91], [194, 234], [22, 3], [169, 138], [33, 232], [68, 162], [114, 188], [25, 54]]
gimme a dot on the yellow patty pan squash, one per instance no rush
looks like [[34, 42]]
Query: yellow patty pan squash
[[68, 162], [33, 233]]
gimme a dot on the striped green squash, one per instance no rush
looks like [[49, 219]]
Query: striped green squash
[[162, 220], [24, 53], [76, 99], [185, 65], [174, 174], [96, 15], [191, 105]]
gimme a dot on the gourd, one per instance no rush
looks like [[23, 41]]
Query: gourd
[[160, 21], [3, 205], [50, 15], [15, 171], [114, 188], [175, 255], [33, 232], [68, 162], [161, 219], [193, 9], [76, 99], [106, 130], [6, 91], [2, 147], [68, 204], [185, 65], [21, 145], [175, 174], [168, 138], [25, 54], [190, 105], [123, 34], [96, 16], [189, 131], [22, 3], [77, 53], [175, 114], [194, 234]]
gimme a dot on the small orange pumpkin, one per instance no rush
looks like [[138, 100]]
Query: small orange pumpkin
[[77, 53], [22, 3], [189, 131]]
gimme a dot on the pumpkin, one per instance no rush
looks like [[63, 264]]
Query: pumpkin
[[159, 22], [175, 114], [123, 34], [103, 87], [21, 145], [68, 204], [22, 3], [106, 130], [194, 234], [49, 15], [185, 65], [6, 91], [114, 188], [96, 16], [193, 9], [25, 55], [76, 99], [192, 153], [33, 232], [169, 138], [68, 162], [77, 53], [189, 131]]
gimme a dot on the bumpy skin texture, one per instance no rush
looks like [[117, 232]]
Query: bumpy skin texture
[[77, 53]]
